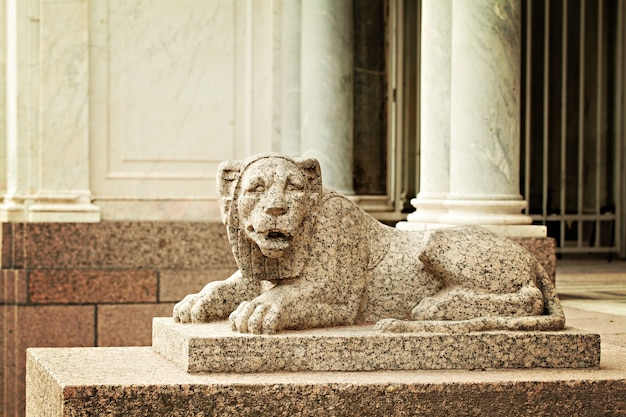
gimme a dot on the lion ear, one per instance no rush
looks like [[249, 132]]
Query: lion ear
[[313, 173], [227, 174]]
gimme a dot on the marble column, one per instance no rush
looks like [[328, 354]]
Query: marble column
[[327, 91], [483, 56], [290, 54], [485, 114], [435, 70]]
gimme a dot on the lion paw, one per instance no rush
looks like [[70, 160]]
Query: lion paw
[[182, 309], [255, 317], [214, 302]]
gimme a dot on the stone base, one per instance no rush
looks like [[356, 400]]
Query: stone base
[[214, 347], [135, 381]]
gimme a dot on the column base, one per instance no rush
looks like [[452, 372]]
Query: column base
[[12, 212], [427, 210], [501, 216], [63, 213], [486, 212], [508, 230]]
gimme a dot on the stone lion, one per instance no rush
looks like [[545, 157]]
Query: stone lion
[[309, 257]]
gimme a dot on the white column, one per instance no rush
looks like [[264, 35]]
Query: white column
[[436, 36], [470, 84], [485, 114], [326, 99], [290, 55], [47, 113]]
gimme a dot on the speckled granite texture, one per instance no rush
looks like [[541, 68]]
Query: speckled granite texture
[[138, 382], [330, 264], [108, 279], [144, 245], [96, 284], [542, 248], [214, 347]]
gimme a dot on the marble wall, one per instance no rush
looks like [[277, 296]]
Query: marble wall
[[173, 97], [123, 110]]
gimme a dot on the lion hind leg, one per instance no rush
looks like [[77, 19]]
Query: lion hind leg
[[455, 312], [463, 304]]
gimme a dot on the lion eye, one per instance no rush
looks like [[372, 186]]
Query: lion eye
[[256, 187], [294, 185]]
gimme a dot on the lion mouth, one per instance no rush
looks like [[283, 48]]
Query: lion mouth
[[277, 235], [272, 241]]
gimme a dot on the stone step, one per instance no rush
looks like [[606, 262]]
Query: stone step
[[214, 347], [136, 381]]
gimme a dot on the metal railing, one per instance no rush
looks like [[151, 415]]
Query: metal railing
[[573, 130]]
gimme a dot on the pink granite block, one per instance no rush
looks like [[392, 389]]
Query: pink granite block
[[128, 324], [54, 286], [47, 326], [7, 245], [131, 245], [12, 245], [134, 381], [544, 249], [215, 347], [9, 386], [175, 284]]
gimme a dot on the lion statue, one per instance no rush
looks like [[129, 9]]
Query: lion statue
[[309, 257]]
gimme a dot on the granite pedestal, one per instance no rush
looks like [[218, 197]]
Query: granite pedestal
[[214, 347], [287, 374], [136, 381]]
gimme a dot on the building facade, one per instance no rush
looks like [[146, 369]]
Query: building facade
[[116, 113]]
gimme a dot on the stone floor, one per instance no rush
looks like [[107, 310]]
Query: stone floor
[[593, 295]]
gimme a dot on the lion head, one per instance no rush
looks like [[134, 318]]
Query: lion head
[[266, 200]]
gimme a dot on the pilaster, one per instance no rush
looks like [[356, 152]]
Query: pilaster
[[47, 128], [290, 73]]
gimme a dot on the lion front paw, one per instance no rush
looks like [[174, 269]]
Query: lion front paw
[[197, 308], [182, 309], [255, 316]]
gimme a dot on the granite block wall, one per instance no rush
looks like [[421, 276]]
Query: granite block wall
[[100, 284]]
